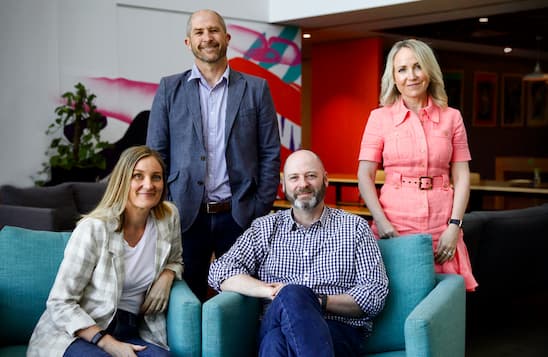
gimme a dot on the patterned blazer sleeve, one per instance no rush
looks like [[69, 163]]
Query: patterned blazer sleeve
[[78, 278]]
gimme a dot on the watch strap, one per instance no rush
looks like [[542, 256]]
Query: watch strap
[[97, 337], [323, 300], [456, 221]]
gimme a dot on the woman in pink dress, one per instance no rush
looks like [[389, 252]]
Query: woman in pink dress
[[423, 148]]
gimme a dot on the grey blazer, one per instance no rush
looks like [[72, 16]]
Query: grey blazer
[[252, 145]]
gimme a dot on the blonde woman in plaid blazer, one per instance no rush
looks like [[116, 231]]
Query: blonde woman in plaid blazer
[[82, 315]]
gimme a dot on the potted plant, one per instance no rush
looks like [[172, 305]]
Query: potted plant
[[75, 151]]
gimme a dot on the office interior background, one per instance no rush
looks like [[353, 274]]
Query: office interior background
[[121, 49]]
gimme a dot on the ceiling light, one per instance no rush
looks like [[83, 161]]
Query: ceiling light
[[483, 19], [537, 74], [306, 35], [507, 49]]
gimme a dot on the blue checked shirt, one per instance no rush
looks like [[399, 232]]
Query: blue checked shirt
[[336, 255]]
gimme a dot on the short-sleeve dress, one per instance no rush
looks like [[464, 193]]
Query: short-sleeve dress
[[412, 146]]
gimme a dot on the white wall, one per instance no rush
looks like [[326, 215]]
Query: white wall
[[47, 46]]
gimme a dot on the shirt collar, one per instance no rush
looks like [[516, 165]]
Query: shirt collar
[[196, 74], [323, 218], [401, 112]]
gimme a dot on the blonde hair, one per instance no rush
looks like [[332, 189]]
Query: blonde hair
[[429, 64], [114, 200]]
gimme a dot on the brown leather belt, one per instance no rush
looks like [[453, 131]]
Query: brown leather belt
[[216, 207], [423, 182]]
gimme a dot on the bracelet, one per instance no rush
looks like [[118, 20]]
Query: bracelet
[[323, 299], [98, 336]]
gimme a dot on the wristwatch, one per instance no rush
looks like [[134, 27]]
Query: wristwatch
[[458, 222], [323, 299], [98, 336]]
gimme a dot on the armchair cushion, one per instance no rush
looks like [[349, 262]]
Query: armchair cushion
[[409, 264], [28, 266], [58, 197]]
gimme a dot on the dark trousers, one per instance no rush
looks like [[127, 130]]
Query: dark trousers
[[293, 325], [125, 328], [210, 233]]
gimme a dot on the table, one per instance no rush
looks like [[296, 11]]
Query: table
[[503, 188], [477, 190]]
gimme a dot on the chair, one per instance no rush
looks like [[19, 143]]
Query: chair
[[519, 171], [424, 314], [27, 271]]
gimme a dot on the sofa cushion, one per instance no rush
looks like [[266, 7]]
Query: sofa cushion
[[28, 266], [87, 195], [59, 197], [409, 263]]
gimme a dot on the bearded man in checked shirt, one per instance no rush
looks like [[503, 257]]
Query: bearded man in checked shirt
[[319, 269]]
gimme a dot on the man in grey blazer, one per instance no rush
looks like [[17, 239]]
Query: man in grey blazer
[[218, 133]]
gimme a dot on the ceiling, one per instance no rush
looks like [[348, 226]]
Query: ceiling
[[451, 24]]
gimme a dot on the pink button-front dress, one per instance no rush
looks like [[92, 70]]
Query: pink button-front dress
[[411, 146]]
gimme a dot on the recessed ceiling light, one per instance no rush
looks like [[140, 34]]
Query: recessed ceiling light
[[507, 49], [306, 35], [483, 19]]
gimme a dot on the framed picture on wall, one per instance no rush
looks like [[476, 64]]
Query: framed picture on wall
[[536, 103], [454, 88], [485, 99], [511, 103]]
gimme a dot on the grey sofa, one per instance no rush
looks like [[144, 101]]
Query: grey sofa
[[53, 208], [508, 252]]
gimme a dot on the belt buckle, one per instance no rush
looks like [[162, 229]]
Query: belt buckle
[[426, 180], [210, 205]]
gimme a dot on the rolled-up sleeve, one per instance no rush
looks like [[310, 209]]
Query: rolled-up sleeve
[[372, 288]]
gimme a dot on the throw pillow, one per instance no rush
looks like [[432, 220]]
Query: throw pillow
[[409, 263]]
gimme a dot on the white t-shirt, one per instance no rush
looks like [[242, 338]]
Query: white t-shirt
[[139, 269]]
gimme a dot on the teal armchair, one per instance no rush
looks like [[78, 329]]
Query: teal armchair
[[29, 264], [424, 314]]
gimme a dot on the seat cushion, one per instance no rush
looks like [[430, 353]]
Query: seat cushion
[[59, 197], [409, 263], [28, 266]]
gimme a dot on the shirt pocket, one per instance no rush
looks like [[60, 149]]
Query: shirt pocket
[[441, 147], [398, 146]]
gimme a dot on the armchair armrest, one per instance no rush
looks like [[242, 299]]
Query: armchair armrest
[[436, 327], [230, 322], [43, 219], [184, 321]]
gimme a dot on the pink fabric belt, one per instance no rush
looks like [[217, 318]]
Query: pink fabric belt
[[421, 182]]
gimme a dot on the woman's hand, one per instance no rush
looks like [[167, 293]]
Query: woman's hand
[[157, 297], [386, 230], [447, 244], [117, 348]]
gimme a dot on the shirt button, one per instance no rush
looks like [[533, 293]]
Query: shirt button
[[305, 253], [305, 277]]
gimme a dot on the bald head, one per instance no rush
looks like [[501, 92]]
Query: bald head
[[303, 160], [205, 13]]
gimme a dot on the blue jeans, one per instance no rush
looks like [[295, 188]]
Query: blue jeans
[[124, 327], [293, 325], [210, 233]]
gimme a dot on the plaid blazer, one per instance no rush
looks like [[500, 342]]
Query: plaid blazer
[[89, 283]]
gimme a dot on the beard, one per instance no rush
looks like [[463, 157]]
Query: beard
[[209, 58], [306, 204]]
